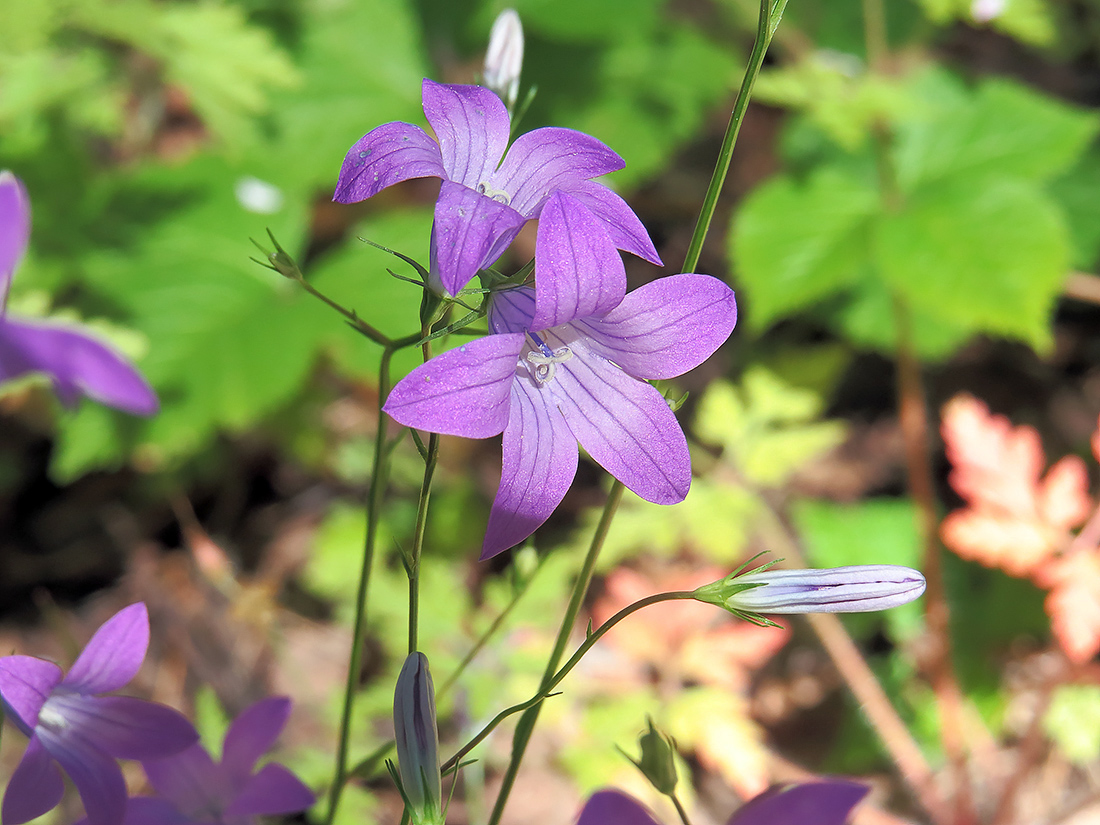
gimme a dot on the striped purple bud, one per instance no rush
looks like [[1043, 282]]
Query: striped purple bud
[[418, 741]]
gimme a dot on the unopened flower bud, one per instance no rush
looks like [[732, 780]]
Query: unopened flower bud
[[504, 59], [658, 760], [418, 741], [860, 588]]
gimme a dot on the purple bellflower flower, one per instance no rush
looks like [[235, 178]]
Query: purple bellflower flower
[[487, 195], [581, 380], [193, 789], [813, 803], [70, 725], [76, 362]]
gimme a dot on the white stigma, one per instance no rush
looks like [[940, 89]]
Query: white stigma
[[499, 195], [544, 363]]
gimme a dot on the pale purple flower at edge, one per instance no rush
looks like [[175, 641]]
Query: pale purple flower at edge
[[813, 803], [583, 381], [75, 361], [487, 195], [193, 789], [70, 724]]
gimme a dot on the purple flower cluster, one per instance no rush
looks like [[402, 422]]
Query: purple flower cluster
[[76, 362], [71, 725], [566, 362], [812, 803]]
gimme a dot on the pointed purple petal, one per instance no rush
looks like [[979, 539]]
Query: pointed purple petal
[[274, 790], [471, 125], [252, 734], [15, 228], [547, 159], [464, 391], [665, 328], [539, 463], [77, 362], [578, 271], [97, 776], [114, 654], [624, 424], [389, 154], [822, 803], [25, 685], [124, 727], [469, 229], [626, 230], [190, 780], [614, 808], [34, 788]]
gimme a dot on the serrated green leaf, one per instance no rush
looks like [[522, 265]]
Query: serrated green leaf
[[1000, 129], [794, 244], [986, 257]]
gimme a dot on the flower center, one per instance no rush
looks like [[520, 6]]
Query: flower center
[[499, 195], [544, 360], [51, 717]]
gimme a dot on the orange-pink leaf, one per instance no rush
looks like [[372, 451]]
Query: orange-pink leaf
[[1015, 518], [1073, 603]]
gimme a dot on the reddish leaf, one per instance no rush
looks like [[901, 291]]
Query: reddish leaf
[[1015, 518], [1074, 603]]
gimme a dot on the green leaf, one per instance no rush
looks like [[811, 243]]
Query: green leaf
[[794, 244], [1073, 722], [767, 429], [1078, 193], [986, 257], [362, 65], [1000, 129]]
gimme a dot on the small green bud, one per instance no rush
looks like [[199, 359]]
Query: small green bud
[[658, 760], [418, 741]]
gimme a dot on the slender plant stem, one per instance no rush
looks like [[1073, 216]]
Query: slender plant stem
[[679, 809], [557, 676], [413, 561], [913, 416], [379, 472], [764, 30], [526, 724]]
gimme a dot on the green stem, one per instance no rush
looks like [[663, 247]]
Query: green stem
[[679, 809], [557, 676], [349, 314], [413, 562], [765, 28], [374, 510], [418, 539], [526, 724]]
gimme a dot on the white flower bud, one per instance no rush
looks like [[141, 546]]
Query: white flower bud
[[504, 59]]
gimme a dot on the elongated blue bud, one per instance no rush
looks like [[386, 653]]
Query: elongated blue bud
[[861, 588], [504, 59], [418, 740]]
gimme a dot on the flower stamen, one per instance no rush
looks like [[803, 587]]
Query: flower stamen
[[544, 362]]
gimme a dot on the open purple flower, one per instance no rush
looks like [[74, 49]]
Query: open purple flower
[[484, 199], [812, 803], [581, 380], [77, 363], [193, 789], [70, 725]]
